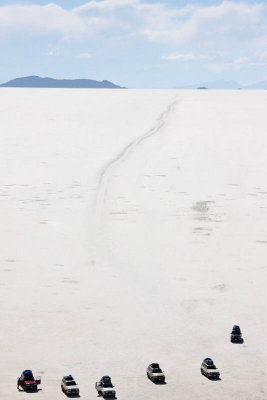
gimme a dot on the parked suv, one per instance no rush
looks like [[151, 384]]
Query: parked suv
[[208, 369], [105, 388], [236, 335], [154, 373], [69, 386], [27, 382]]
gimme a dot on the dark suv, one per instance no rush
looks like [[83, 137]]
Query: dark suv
[[236, 335]]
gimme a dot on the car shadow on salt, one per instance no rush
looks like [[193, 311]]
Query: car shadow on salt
[[214, 379], [160, 383], [241, 341], [30, 391], [111, 398]]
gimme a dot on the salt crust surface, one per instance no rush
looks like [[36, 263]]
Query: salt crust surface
[[133, 230]]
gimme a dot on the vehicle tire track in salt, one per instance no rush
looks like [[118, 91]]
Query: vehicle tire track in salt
[[120, 157]]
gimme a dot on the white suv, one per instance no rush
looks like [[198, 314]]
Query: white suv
[[69, 386]]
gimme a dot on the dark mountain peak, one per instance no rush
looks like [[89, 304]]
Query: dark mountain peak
[[35, 81]]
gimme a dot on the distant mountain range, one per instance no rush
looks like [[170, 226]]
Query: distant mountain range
[[37, 82], [225, 85]]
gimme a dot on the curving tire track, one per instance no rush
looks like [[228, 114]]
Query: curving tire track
[[120, 157]]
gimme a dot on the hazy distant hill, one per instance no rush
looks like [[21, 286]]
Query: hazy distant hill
[[259, 85], [221, 84], [37, 82]]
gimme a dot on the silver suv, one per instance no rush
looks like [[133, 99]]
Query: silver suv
[[69, 386], [155, 374], [209, 369], [105, 388]]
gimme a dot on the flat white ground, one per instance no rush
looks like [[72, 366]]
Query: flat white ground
[[133, 230]]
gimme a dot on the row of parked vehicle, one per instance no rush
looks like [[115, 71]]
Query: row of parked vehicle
[[208, 368], [105, 388]]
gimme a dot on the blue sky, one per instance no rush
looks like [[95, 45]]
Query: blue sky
[[135, 43]]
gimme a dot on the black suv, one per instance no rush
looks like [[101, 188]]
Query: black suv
[[236, 335]]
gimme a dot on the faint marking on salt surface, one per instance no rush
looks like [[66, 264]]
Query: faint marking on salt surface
[[10, 260], [189, 305], [261, 241], [221, 287], [204, 213], [203, 218], [118, 213], [67, 280], [121, 156], [179, 279], [202, 206], [193, 304]]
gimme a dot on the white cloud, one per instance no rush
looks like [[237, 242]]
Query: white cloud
[[52, 53], [263, 56], [47, 20], [84, 55], [236, 64], [226, 20], [179, 57], [239, 63], [212, 26]]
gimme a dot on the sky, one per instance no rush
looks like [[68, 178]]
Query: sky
[[135, 43]]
